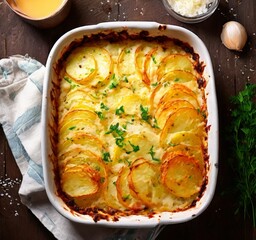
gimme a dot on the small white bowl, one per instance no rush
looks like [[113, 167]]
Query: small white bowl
[[47, 22], [187, 18]]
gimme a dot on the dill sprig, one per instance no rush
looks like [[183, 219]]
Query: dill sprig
[[243, 144]]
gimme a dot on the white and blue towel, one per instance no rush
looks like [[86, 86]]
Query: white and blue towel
[[21, 84]]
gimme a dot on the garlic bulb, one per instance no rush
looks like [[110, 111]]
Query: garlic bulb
[[233, 35]]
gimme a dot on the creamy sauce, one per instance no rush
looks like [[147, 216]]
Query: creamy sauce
[[38, 8]]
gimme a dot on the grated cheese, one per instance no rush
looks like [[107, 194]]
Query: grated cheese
[[190, 8]]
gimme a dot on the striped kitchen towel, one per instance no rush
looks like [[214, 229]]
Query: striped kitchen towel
[[21, 84]]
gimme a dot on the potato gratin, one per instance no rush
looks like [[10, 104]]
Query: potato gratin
[[132, 126]]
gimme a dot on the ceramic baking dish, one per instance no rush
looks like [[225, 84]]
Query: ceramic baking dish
[[133, 221]]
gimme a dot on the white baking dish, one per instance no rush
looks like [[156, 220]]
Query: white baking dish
[[134, 221]]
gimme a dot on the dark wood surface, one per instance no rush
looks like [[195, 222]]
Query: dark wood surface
[[232, 70]]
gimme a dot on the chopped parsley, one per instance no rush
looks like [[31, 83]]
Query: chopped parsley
[[120, 111], [152, 154], [100, 115], [135, 148], [70, 81], [154, 59], [113, 82], [117, 133], [144, 113], [103, 106], [106, 157]]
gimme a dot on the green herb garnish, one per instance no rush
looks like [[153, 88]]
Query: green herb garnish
[[72, 84], [152, 154], [154, 59], [106, 157], [120, 111], [243, 146], [113, 82], [135, 148], [144, 113], [100, 115], [103, 106], [117, 134]]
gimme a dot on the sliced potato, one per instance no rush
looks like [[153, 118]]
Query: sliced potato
[[82, 140], [180, 77], [161, 95], [90, 65], [174, 62], [126, 61], [110, 193], [177, 76], [84, 157], [150, 66], [80, 181], [77, 125], [166, 109], [131, 104], [154, 61], [124, 193], [78, 120], [79, 94], [144, 180], [81, 66], [184, 119], [140, 56], [136, 146], [182, 175], [78, 114], [193, 151], [184, 138]]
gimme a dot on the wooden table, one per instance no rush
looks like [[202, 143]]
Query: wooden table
[[232, 71]]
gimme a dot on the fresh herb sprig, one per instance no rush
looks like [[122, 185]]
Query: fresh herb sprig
[[243, 142]]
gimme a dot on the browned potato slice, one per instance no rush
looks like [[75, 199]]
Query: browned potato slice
[[153, 62], [77, 125], [80, 181], [182, 175], [184, 138], [78, 114], [78, 120], [82, 140], [165, 110], [180, 77], [124, 193], [175, 62], [79, 157], [149, 66], [162, 95], [177, 76], [140, 56], [193, 151], [144, 181], [184, 119]]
